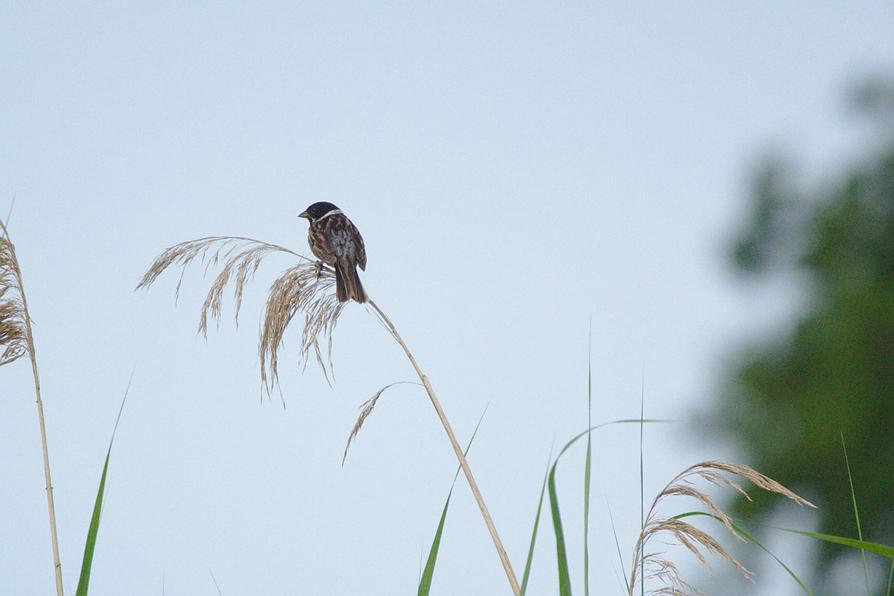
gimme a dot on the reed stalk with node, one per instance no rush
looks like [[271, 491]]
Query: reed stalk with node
[[17, 340], [307, 289]]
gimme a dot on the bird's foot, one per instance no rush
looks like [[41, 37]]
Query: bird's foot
[[319, 268]]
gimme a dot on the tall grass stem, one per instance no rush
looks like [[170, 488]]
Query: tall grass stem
[[491, 528], [29, 339]]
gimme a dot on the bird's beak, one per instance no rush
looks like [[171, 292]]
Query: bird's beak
[[304, 215]]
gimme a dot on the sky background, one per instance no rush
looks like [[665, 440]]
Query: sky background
[[515, 169]]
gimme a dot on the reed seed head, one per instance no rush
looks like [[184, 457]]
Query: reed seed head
[[13, 334], [306, 288], [700, 543]]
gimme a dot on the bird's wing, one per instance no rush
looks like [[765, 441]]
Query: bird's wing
[[344, 240], [361, 249]]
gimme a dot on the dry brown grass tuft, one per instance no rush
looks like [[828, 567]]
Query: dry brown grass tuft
[[304, 288], [653, 565], [13, 338]]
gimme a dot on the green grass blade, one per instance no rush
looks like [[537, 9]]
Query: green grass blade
[[93, 530], [873, 547], [527, 574], [428, 572], [561, 556], [611, 518], [584, 433], [750, 538], [642, 485], [561, 553], [850, 480], [890, 578], [587, 461]]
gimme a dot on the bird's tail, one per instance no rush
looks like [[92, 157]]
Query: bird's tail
[[347, 282]]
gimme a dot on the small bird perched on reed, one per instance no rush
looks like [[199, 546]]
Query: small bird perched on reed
[[336, 241]]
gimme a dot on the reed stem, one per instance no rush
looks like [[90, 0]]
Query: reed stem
[[504, 559], [29, 338]]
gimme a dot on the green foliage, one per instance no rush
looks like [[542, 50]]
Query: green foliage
[[588, 462], [93, 530], [561, 552], [428, 573], [530, 559], [862, 545], [832, 370]]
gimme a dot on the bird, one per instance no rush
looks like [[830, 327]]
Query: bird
[[336, 241]]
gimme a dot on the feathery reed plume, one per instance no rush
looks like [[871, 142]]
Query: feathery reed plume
[[16, 340], [310, 290], [12, 312], [696, 541], [307, 288]]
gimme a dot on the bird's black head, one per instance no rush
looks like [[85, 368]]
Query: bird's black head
[[318, 210]]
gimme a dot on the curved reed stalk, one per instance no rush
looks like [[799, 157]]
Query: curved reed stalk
[[491, 528], [696, 541], [17, 340], [305, 289]]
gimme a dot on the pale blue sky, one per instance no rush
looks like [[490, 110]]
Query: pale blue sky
[[515, 168]]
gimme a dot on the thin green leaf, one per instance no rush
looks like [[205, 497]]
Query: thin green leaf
[[611, 518], [561, 554], [850, 480], [750, 538], [873, 547], [890, 578], [527, 574], [642, 484], [93, 530], [587, 461], [429, 572]]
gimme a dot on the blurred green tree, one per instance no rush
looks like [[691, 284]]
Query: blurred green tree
[[832, 370]]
